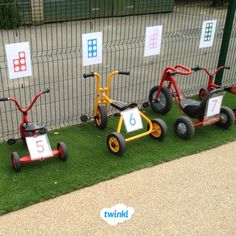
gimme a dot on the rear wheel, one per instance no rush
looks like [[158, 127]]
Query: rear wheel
[[163, 104], [160, 129], [15, 160], [116, 143], [184, 127], [227, 118], [101, 117], [63, 154], [202, 94]]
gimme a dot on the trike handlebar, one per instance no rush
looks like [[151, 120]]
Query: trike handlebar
[[196, 68], [86, 75], [31, 104], [124, 73], [46, 91], [3, 99], [216, 71]]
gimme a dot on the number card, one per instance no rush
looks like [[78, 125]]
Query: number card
[[208, 34], [132, 119], [18, 60], [153, 40], [39, 147], [214, 105], [92, 48]]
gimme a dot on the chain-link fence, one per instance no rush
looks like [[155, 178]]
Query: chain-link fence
[[54, 30]]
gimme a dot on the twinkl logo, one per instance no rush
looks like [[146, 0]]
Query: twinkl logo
[[116, 214]]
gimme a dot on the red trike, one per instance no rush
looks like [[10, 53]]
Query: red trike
[[206, 112], [35, 138], [211, 85]]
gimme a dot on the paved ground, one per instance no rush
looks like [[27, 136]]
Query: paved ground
[[195, 195]]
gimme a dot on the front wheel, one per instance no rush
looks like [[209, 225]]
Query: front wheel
[[184, 127], [116, 143], [159, 130], [163, 104], [15, 160], [63, 154], [101, 117], [227, 118]]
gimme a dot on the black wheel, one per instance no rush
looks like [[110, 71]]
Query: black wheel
[[164, 103], [227, 118], [63, 154], [101, 117], [116, 143], [202, 94], [15, 160], [184, 128], [160, 129]]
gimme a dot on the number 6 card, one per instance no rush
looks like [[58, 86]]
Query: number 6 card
[[132, 119], [39, 147]]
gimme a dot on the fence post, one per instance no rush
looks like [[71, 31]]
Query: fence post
[[226, 38]]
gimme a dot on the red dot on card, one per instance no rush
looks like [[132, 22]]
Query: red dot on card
[[17, 68], [22, 54], [22, 67], [22, 61], [16, 62]]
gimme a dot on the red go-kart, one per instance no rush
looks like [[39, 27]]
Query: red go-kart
[[206, 112], [36, 135], [211, 85]]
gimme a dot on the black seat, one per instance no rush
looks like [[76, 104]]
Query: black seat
[[121, 106], [30, 127], [196, 109]]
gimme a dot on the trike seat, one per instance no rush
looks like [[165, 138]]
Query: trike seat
[[121, 106], [31, 127], [196, 109]]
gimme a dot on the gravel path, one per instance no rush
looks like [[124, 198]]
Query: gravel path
[[195, 195]]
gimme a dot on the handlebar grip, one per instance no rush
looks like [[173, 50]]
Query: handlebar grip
[[196, 68], [86, 75], [124, 73], [46, 91], [3, 99], [173, 73], [227, 67]]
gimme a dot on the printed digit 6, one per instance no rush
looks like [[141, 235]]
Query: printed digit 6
[[132, 120]]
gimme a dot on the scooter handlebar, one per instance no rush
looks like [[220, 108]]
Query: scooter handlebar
[[86, 75], [3, 99], [124, 73]]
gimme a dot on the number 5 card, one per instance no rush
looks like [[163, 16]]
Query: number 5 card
[[132, 119], [39, 147]]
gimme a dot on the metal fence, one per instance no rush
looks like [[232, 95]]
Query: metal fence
[[56, 51]]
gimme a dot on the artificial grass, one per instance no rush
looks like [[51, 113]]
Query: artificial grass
[[90, 161]]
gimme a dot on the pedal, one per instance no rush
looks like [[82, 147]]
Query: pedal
[[11, 141], [84, 118], [145, 104]]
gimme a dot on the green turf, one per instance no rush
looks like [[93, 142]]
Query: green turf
[[90, 162]]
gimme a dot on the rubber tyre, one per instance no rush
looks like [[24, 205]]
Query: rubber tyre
[[184, 127], [15, 160], [116, 143], [202, 93], [101, 117], [63, 153], [164, 105], [160, 129], [227, 118]]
